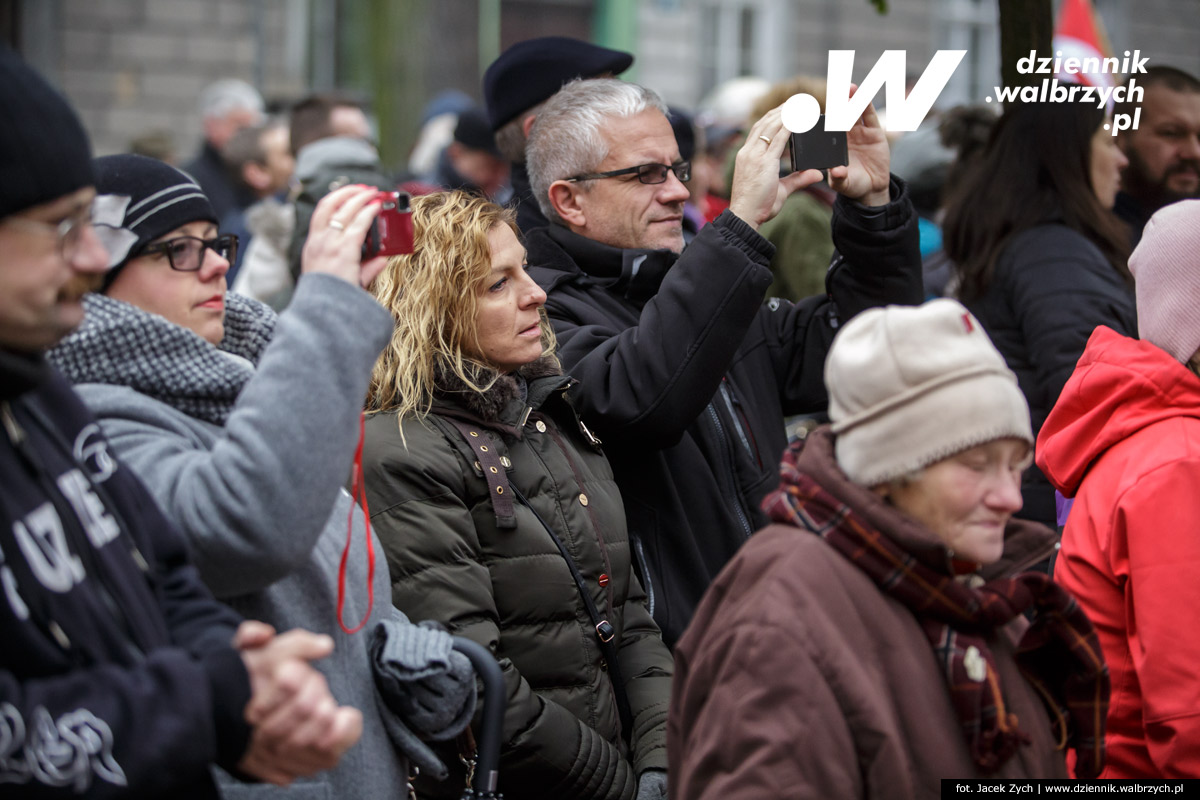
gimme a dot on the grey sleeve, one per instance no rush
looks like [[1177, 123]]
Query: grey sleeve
[[253, 505]]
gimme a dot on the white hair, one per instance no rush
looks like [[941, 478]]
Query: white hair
[[567, 137], [225, 96]]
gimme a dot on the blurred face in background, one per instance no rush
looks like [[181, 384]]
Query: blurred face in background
[[278, 163], [1107, 161], [350, 121], [1164, 151], [480, 167]]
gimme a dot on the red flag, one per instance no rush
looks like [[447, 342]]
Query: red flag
[[1080, 34]]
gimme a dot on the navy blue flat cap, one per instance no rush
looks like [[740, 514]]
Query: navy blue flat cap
[[533, 70]]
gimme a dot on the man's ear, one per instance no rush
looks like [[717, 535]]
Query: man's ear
[[565, 197], [527, 125]]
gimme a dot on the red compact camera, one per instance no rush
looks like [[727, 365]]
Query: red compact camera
[[391, 232]]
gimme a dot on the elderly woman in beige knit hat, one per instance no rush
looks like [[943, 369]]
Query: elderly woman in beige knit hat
[[881, 636]]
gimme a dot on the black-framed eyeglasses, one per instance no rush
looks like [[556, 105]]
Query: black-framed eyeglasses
[[646, 173], [68, 233], [186, 253]]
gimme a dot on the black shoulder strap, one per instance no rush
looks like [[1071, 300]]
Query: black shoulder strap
[[502, 503]]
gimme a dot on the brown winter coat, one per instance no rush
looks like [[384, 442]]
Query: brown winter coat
[[799, 678]]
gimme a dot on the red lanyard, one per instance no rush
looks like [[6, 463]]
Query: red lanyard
[[358, 491]]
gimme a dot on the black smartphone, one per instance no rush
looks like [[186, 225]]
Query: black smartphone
[[819, 148]]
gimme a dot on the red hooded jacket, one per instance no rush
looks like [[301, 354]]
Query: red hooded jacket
[[1124, 440]]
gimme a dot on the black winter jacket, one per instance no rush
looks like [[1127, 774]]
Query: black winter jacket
[[687, 376], [529, 216], [117, 674], [1050, 289]]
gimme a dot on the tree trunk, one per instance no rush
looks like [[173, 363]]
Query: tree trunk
[[1024, 25]]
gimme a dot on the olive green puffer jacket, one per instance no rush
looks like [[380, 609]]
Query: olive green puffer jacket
[[511, 590]]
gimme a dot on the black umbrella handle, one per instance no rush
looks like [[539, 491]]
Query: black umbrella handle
[[491, 731]]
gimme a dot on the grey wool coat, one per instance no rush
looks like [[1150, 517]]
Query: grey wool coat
[[258, 495]]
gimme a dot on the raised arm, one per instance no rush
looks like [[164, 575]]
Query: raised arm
[[253, 505], [648, 379]]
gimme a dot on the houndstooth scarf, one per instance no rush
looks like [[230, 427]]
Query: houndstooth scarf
[[122, 345], [1059, 654]]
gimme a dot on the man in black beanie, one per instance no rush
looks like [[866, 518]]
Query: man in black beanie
[[120, 675], [516, 85]]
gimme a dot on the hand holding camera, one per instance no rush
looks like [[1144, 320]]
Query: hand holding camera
[[353, 230]]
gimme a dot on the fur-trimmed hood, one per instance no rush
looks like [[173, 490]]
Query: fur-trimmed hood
[[490, 406]]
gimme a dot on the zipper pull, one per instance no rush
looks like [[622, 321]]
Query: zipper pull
[[139, 559], [15, 434], [59, 635]]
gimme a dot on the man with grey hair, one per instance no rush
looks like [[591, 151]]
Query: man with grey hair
[[518, 83], [226, 107], [684, 373]]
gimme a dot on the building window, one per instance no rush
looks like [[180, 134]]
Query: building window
[[974, 26], [734, 41]]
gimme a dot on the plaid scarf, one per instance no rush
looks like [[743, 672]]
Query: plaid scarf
[[1059, 653], [123, 345]]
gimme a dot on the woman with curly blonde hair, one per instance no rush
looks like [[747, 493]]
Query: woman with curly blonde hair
[[500, 517]]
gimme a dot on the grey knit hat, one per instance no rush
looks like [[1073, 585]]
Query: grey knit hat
[[140, 199], [910, 386], [1164, 266]]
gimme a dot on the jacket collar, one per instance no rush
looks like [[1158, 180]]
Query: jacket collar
[[503, 404], [635, 273], [20, 373]]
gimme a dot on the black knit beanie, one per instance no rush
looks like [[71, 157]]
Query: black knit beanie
[[44, 151], [140, 199]]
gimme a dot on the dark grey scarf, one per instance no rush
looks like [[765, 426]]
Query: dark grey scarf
[[122, 345]]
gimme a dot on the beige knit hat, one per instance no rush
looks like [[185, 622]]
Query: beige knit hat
[[910, 386], [1167, 279]]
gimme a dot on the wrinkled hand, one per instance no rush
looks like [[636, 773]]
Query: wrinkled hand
[[867, 178], [652, 785], [297, 727], [336, 234], [758, 192]]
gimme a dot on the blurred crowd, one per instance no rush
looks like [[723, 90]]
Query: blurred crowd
[[753, 483]]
